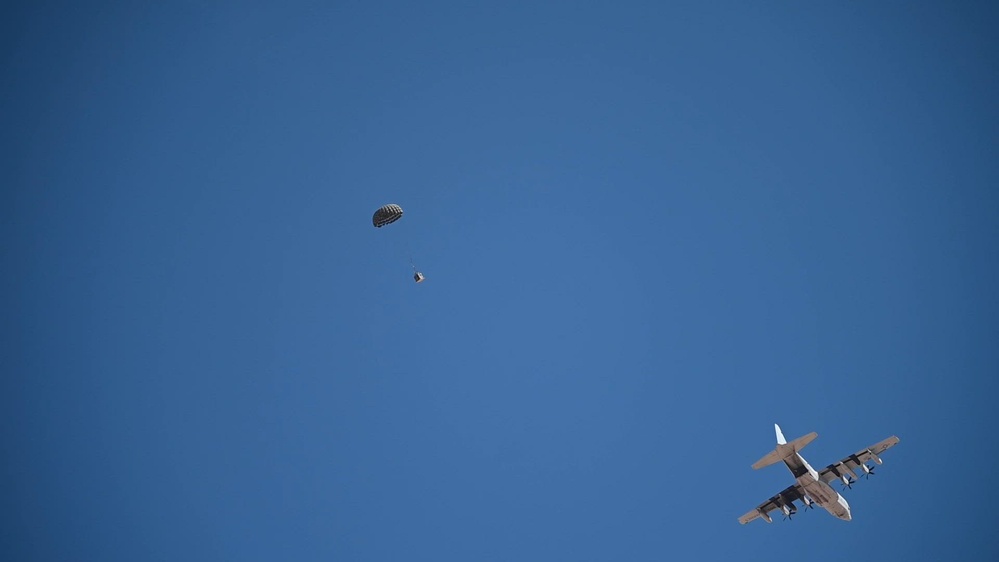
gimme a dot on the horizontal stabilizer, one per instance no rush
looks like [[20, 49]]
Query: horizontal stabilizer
[[767, 460], [799, 443]]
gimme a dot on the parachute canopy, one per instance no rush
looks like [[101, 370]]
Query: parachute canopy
[[386, 214]]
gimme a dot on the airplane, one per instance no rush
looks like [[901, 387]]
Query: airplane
[[812, 486]]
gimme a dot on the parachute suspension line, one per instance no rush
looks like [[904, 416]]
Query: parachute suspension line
[[409, 253], [417, 275], [408, 248]]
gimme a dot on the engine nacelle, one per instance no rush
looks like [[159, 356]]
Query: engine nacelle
[[875, 457], [787, 506]]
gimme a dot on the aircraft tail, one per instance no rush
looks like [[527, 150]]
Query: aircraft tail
[[784, 449]]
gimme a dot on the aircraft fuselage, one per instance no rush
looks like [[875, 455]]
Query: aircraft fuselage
[[817, 490]]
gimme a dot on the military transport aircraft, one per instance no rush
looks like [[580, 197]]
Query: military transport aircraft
[[812, 486]]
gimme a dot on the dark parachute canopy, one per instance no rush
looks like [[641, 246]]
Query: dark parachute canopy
[[386, 214]]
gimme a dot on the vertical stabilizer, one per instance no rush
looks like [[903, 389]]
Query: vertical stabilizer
[[780, 436]]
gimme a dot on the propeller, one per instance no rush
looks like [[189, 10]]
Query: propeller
[[868, 471], [847, 482]]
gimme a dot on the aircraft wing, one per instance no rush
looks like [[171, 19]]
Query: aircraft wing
[[848, 467], [778, 502]]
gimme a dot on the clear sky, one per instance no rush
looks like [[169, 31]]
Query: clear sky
[[650, 230]]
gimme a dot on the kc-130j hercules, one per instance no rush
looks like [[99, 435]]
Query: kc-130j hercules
[[812, 486]]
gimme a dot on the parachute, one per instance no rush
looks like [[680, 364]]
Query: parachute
[[386, 214]]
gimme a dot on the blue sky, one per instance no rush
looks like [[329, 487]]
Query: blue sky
[[650, 230]]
